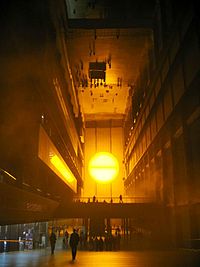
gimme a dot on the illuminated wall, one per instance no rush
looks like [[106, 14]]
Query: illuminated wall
[[108, 140]]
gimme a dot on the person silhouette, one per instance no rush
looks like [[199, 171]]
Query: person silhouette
[[65, 239], [73, 242], [52, 239], [120, 199]]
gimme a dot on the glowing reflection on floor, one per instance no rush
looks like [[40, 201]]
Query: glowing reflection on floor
[[42, 258]]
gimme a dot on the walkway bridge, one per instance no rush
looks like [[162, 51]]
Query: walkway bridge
[[139, 209], [23, 203]]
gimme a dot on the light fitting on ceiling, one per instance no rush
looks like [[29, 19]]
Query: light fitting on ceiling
[[97, 73]]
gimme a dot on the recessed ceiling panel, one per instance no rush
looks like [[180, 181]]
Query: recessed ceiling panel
[[106, 64]]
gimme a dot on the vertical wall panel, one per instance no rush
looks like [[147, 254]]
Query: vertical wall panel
[[90, 149], [117, 150], [103, 139], [108, 140]]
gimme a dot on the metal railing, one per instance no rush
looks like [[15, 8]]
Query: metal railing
[[113, 200]]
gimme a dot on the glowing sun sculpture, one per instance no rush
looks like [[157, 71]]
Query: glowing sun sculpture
[[103, 167]]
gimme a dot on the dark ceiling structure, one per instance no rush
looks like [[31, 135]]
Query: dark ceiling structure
[[118, 36]]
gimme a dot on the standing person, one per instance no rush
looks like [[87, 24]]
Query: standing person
[[65, 239], [73, 242], [52, 239]]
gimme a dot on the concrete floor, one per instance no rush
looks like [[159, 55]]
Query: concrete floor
[[43, 258]]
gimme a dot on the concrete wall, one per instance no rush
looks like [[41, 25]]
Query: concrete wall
[[108, 140]]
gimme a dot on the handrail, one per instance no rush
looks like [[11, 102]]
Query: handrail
[[7, 174], [113, 200]]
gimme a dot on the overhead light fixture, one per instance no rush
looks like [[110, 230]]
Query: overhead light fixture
[[62, 168], [97, 71]]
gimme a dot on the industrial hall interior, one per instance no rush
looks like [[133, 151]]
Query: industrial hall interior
[[100, 129]]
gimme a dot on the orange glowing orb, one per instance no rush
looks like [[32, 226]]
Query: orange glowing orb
[[103, 167]]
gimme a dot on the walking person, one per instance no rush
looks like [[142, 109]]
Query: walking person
[[73, 242], [120, 199], [52, 239], [65, 240]]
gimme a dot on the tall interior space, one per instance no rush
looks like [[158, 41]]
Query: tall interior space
[[100, 102]]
